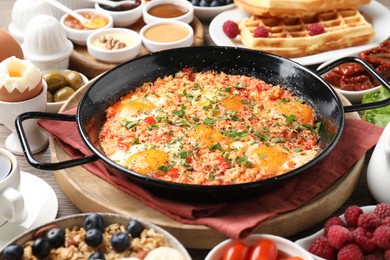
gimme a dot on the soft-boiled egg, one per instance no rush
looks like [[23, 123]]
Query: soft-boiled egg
[[19, 80]]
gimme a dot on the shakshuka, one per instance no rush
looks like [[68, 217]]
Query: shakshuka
[[210, 128]]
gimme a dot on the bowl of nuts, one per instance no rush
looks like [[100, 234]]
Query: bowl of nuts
[[95, 236], [114, 45]]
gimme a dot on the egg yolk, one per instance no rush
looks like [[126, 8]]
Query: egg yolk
[[206, 135], [148, 161], [232, 103], [270, 158], [303, 114], [132, 107]]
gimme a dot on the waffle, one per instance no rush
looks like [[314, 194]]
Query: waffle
[[289, 37], [293, 8]]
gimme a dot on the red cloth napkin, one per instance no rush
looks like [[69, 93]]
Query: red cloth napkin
[[236, 219]]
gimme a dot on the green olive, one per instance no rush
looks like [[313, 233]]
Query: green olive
[[63, 94], [49, 97], [74, 79], [55, 80]]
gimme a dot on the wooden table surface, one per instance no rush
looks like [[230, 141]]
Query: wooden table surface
[[361, 196]]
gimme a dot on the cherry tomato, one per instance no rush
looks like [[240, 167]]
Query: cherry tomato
[[150, 120], [264, 249], [237, 251]]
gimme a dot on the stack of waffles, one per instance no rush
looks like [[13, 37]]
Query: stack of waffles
[[289, 26]]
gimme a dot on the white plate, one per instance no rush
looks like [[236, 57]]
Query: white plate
[[375, 13], [305, 242], [41, 206]]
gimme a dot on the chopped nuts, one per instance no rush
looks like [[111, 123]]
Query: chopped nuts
[[111, 43]]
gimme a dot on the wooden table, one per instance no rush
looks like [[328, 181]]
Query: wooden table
[[361, 196]]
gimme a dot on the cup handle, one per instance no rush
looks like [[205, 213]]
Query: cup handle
[[12, 205]]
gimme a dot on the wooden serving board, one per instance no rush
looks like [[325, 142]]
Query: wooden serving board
[[92, 194], [81, 61]]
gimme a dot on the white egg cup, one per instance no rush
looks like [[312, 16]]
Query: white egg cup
[[378, 170], [38, 139]]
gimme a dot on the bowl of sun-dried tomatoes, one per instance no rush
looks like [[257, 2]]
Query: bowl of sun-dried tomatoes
[[353, 81]]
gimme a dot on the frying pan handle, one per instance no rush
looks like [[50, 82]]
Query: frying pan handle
[[371, 71], [26, 148]]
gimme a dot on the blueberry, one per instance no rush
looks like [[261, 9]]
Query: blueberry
[[93, 237], [93, 221], [214, 3], [41, 247], [97, 255], [120, 241], [56, 237], [134, 228], [195, 2], [13, 251], [203, 3]]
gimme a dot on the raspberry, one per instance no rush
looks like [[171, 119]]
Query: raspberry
[[352, 214], [382, 237], [315, 29], [350, 252], [374, 256], [321, 247], [333, 221], [386, 221], [387, 254], [365, 241], [369, 221], [382, 210], [230, 28], [338, 236], [260, 31]]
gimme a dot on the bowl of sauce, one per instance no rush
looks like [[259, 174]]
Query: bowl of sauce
[[124, 14], [77, 32], [164, 35], [163, 10]]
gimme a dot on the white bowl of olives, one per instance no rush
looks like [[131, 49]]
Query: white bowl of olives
[[61, 84]]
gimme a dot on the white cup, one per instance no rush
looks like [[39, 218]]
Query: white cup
[[11, 200], [38, 139]]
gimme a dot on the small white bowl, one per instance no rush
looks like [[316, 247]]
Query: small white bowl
[[109, 218], [22, 12], [54, 107], [206, 14], [186, 18], [161, 26], [356, 96], [132, 49], [284, 245], [80, 36], [353, 96], [45, 43], [124, 18]]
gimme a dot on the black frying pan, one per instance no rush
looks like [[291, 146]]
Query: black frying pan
[[271, 68]]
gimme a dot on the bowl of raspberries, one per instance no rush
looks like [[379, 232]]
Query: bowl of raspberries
[[360, 233]]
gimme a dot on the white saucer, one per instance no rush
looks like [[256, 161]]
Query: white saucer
[[41, 206]]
